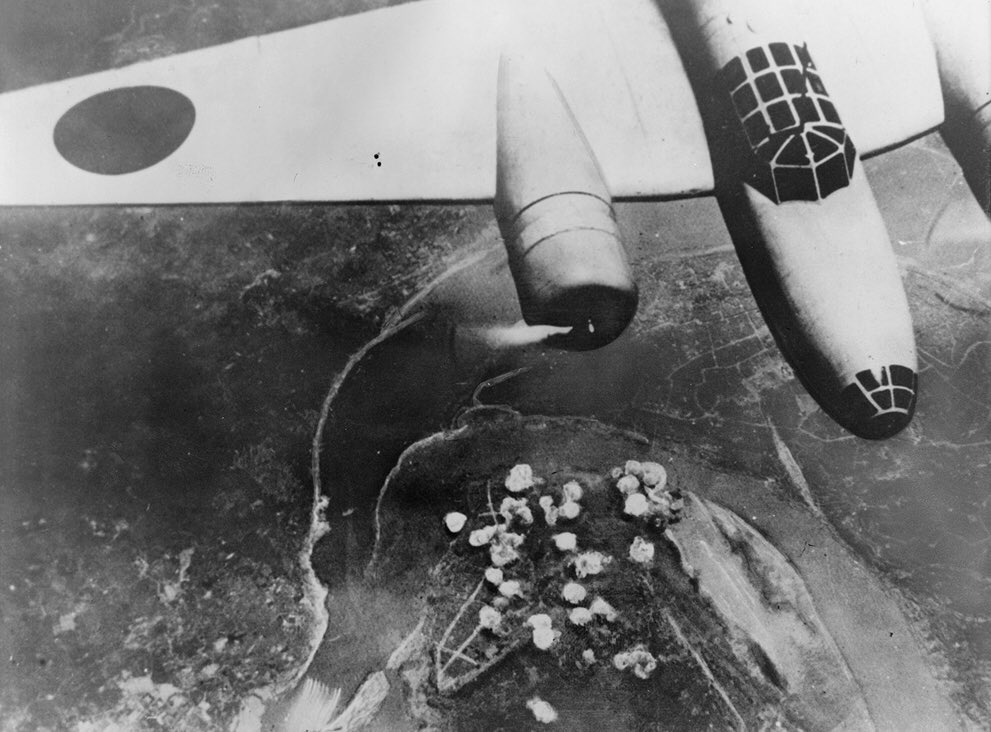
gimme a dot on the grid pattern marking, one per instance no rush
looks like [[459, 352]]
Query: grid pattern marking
[[801, 150], [894, 393]]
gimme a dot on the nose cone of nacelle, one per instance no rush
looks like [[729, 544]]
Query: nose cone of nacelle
[[876, 409], [577, 279], [596, 314]]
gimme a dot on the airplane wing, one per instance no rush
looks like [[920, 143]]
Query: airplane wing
[[399, 105]]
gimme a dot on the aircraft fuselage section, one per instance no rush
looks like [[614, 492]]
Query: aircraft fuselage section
[[800, 211]]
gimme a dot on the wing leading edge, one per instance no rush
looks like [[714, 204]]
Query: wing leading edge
[[399, 105]]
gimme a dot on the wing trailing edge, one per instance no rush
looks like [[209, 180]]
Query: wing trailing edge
[[399, 104]]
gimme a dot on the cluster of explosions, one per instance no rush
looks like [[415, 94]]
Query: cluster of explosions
[[566, 603]]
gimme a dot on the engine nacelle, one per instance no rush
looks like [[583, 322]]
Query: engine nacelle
[[555, 214], [959, 31]]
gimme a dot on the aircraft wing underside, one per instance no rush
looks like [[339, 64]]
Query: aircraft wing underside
[[399, 105]]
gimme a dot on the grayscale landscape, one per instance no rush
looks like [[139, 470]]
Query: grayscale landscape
[[170, 377]]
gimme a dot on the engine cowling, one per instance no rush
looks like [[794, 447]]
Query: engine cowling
[[555, 214]]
